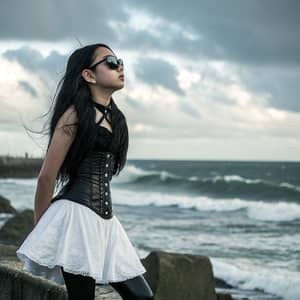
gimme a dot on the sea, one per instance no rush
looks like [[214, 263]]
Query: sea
[[243, 215]]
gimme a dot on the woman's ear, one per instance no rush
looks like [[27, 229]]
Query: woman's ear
[[88, 76]]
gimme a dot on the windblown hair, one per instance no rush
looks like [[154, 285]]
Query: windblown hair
[[74, 90]]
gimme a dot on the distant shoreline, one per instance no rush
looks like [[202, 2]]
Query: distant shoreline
[[19, 167]]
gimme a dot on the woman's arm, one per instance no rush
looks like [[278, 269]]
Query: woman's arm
[[61, 142]]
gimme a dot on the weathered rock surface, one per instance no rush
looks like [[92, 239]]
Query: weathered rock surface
[[15, 229], [180, 276], [5, 206]]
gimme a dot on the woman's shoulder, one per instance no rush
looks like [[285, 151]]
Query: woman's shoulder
[[70, 114], [68, 120]]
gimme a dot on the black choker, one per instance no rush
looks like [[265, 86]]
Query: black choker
[[102, 107]]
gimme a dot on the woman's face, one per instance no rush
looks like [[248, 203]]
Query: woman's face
[[103, 75]]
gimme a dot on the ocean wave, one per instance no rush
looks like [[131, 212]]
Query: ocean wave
[[245, 275], [231, 185], [258, 210], [19, 181]]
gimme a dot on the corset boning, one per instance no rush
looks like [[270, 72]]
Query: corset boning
[[91, 185]]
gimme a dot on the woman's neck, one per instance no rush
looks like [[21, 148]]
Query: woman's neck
[[102, 101], [102, 96]]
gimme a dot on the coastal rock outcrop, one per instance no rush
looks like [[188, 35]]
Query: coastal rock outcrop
[[180, 276], [17, 228], [5, 206]]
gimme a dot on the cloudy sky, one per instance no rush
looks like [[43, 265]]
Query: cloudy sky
[[214, 80]]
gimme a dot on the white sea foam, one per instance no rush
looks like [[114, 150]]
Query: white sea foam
[[131, 173], [18, 181], [244, 275], [259, 210]]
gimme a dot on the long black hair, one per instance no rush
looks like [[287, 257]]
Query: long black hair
[[74, 90]]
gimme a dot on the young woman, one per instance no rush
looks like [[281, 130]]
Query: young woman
[[77, 240]]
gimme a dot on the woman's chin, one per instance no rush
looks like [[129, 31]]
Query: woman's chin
[[118, 87], [121, 85]]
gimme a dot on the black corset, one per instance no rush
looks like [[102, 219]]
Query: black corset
[[91, 185]]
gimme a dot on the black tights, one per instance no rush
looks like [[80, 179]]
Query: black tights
[[81, 287]]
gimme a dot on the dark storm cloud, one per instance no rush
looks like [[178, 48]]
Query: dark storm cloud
[[158, 71], [261, 37], [258, 36], [188, 109], [27, 57], [28, 88], [54, 20], [252, 32], [282, 84], [31, 59], [134, 103]]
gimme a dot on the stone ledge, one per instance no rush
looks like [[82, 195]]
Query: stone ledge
[[15, 284], [20, 285], [171, 276]]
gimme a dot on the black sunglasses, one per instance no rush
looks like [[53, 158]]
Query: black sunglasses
[[111, 61]]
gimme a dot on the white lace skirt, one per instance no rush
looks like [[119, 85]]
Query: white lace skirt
[[73, 236]]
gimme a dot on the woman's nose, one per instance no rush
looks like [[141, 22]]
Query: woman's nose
[[120, 68]]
